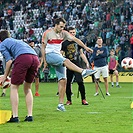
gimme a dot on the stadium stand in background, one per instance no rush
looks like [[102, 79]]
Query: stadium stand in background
[[112, 20]]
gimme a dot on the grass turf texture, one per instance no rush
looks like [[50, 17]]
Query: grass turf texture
[[110, 115]]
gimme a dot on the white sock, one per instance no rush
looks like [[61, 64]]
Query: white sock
[[60, 104], [112, 83], [117, 83]]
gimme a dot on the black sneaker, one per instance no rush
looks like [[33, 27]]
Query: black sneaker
[[15, 119], [3, 94], [28, 118]]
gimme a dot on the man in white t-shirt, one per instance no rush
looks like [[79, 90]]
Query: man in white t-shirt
[[51, 45]]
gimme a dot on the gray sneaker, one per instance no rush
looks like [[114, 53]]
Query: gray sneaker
[[61, 107], [87, 72], [3, 94], [118, 86]]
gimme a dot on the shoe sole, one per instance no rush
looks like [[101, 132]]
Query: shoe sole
[[107, 95], [61, 110], [28, 121], [85, 104], [13, 121], [96, 95], [90, 74]]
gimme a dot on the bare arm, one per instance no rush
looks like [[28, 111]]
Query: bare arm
[[79, 42], [43, 59], [116, 65], [8, 67]]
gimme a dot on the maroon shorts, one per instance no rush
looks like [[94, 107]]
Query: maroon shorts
[[25, 68]]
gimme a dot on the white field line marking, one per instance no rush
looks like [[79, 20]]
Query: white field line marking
[[93, 112]]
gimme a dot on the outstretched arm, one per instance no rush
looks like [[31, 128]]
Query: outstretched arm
[[79, 42]]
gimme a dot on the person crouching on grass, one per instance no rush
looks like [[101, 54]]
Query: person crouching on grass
[[25, 67]]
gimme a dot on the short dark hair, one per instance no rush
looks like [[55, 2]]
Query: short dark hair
[[112, 50], [4, 34], [71, 28], [99, 37], [58, 20]]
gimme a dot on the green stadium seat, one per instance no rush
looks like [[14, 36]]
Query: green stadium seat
[[52, 73]]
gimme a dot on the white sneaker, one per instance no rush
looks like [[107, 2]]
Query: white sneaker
[[87, 72], [107, 94], [61, 107], [96, 94]]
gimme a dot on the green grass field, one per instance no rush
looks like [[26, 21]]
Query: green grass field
[[110, 115]]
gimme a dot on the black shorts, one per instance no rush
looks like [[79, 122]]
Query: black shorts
[[111, 71]]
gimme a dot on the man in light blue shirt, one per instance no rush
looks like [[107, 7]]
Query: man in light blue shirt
[[25, 65]]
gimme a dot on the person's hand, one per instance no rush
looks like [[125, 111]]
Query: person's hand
[[87, 66], [89, 50], [2, 79], [45, 65], [40, 65], [114, 69]]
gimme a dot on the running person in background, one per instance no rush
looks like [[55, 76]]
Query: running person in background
[[72, 52], [38, 51], [99, 56], [112, 65], [25, 66], [51, 45]]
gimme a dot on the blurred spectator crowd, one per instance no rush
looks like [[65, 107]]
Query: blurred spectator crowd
[[112, 20]]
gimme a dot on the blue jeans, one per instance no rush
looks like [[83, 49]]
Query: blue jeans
[[56, 60]]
